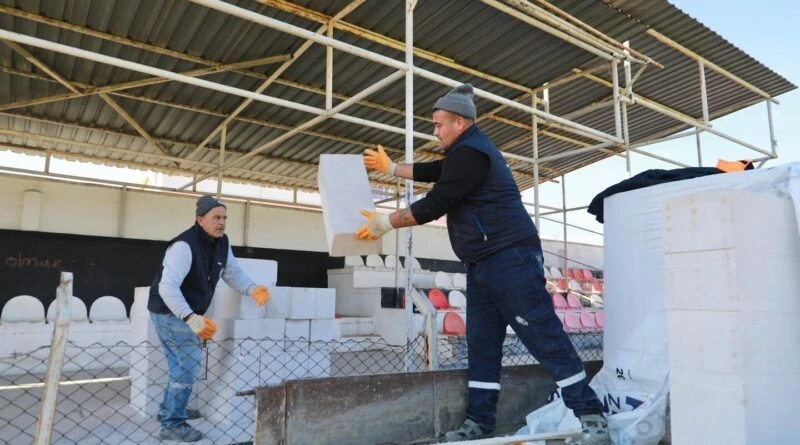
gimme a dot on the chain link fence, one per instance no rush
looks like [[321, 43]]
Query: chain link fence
[[111, 394]]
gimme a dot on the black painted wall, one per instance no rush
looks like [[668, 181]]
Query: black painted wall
[[30, 263]]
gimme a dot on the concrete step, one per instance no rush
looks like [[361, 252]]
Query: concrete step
[[354, 326]]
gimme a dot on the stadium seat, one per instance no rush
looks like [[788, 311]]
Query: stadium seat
[[438, 299], [561, 316], [354, 261], [588, 321], [573, 301], [587, 275], [600, 318], [23, 309], [457, 299], [459, 281], [559, 302], [390, 262], [453, 324], [78, 309], [555, 273], [572, 322], [375, 261], [107, 309]]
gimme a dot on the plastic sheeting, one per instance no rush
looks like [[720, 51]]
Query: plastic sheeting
[[634, 383]]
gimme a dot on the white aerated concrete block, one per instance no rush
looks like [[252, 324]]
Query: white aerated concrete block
[[148, 367], [226, 303], [280, 302], [141, 295], [732, 317], [344, 191], [264, 272], [324, 303], [354, 326], [347, 326], [298, 333], [303, 303], [318, 363], [250, 310], [366, 326], [352, 301], [227, 328], [322, 331]]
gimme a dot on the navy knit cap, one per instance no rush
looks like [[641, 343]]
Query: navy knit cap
[[458, 101], [206, 203]]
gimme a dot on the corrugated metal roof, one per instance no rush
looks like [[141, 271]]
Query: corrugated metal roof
[[181, 36]]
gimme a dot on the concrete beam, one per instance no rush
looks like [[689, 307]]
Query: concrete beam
[[390, 408]]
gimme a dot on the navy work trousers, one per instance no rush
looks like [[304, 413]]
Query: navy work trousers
[[508, 288]]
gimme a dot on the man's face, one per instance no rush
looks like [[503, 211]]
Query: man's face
[[447, 127], [213, 222]]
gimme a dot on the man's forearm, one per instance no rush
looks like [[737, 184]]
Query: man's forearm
[[402, 218], [405, 171]]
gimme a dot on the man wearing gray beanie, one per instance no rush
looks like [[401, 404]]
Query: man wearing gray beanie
[[180, 295], [493, 235]]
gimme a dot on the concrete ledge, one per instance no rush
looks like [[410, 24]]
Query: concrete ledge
[[389, 408]]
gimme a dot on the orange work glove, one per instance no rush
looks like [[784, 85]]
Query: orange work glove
[[203, 327], [377, 225], [261, 295], [379, 161]]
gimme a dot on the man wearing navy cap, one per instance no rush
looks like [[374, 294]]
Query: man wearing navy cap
[[180, 295], [491, 232]]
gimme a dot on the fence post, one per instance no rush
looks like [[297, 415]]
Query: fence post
[[44, 428], [431, 335]]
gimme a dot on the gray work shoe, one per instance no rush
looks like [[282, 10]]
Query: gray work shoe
[[191, 414], [182, 433], [594, 431], [470, 430]]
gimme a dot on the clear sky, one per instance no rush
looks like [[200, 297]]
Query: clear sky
[[767, 31]]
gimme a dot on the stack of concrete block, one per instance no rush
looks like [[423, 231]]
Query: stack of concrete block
[[254, 345], [310, 329], [358, 289], [731, 261], [148, 364], [240, 355]]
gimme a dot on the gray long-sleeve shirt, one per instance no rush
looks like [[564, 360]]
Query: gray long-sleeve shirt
[[178, 262]]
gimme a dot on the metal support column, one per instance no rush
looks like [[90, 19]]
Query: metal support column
[[773, 142], [123, 211], [535, 135], [629, 91], [564, 208], [329, 71], [222, 137]]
